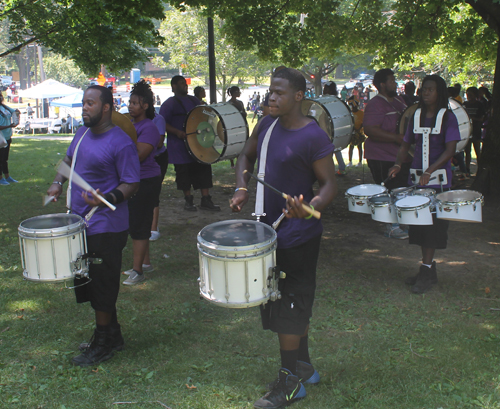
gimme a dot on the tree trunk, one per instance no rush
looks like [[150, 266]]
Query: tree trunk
[[223, 88], [21, 65]]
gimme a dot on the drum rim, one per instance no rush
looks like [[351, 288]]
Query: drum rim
[[381, 204], [77, 227], [428, 204], [461, 202], [357, 197]]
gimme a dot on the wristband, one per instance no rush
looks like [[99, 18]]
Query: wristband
[[427, 173], [55, 182], [241, 188], [118, 196], [399, 166], [308, 217]]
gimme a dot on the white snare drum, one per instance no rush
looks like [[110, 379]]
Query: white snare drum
[[215, 132], [237, 260], [383, 209], [401, 192], [51, 246], [414, 210], [460, 206], [333, 116], [464, 124], [358, 196]]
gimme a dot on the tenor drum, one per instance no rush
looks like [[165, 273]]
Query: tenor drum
[[333, 116], [464, 122], [460, 206], [383, 209], [358, 197], [401, 192], [51, 246], [414, 210], [215, 132], [237, 260]]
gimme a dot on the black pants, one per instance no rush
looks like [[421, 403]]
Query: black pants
[[4, 159]]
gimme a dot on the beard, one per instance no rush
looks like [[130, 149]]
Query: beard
[[93, 120], [392, 94]]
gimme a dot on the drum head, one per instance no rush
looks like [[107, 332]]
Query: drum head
[[459, 196], [366, 190], [236, 234], [412, 201], [464, 124], [380, 199], [51, 225], [427, 192], [405, 118], [125, 124]]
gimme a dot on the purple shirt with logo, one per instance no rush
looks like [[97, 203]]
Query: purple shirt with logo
[[380, 112], [175, 110], [437, 143], [147, 132], [289, 168], [104, 161]]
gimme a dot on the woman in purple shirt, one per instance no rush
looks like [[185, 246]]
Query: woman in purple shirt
[[141, 109], [442, 147]]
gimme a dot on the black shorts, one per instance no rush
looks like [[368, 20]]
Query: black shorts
[[141, 206], [104, 284], [291, 314], [198, 175], [380, 170], [433, 236], [162, 160]]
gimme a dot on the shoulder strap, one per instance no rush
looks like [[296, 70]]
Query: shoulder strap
[[73, 163]]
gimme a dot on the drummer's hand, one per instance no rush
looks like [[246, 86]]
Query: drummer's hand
[[181, 134], [55, 190], [92, 200], [239, 200], [394, 171], [294, 207], [424, 179]]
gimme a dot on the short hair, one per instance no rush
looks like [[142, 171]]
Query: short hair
[[233, 89], [381, 76], [474, 91], [294, 77], [197, 91], [486, 92], [106, 96], [176, 79], [143, 90], [453, 92], [457, 85], [410, 87]]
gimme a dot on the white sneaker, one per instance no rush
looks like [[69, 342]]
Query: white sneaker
[[359, 164], [155, 235], [349, 164], [134, 278], [146, 268]]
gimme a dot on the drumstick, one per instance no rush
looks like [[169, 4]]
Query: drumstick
[[47, 199], [385, 181], [65, 170], [307, 208], [198, 131]]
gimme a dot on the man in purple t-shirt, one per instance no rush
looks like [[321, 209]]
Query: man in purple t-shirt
[[107, 159], [299, 153], [188, 172], [380, 121]]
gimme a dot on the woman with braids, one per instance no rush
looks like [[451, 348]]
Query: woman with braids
[[141, 109], [6, 126], [442, 146]]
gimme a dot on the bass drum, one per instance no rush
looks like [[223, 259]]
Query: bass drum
[[464, 122], [333, 116], [215, 132]]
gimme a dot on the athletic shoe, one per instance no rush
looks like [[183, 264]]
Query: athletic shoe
[[396, 233], [146, 268], [349, 164], [426, 279], [287, 390], [359, 164], [155, 235], [189, 204], [207, 204], [3, 182], [306, 373], [99, 350], [134, 278], [116, 341], [341, 172], [413, 280], [11, 180]]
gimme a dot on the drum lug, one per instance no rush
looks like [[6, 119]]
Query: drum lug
[[416, 214], [81, 265], [275, 274]]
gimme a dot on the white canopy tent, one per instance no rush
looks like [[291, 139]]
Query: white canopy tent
[[48, 89]]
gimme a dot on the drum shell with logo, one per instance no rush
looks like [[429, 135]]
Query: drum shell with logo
[[383, 209], [414, 210], [460, 205], [230, 129], [236, 260], [49, 245], [333, 116], [358, 197]]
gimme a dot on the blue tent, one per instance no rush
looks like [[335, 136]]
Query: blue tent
[[70, 101]]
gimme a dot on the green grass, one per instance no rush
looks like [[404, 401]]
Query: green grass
[[374, 344]]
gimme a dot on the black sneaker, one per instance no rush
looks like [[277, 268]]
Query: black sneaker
[[287, 390], [98, 351], [207, 204], [306, 373], [426, 279], [413, 280], [189, 205], [116, 341]]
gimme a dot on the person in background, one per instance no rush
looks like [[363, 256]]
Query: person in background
[[409, 96], [477, 114], [234, 92], [200, 93], [6, 125], [330, 88], [459, 97], [358, 137]]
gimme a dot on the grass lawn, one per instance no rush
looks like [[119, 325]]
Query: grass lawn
[[375, 345]]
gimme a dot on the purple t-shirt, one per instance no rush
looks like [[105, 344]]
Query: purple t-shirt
[[104, 161], [437, 143], [147, 132], [175, 110], [160, 123], [289, 168], [380, 112]]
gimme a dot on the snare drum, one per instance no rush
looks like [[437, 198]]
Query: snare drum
[[460, 206], [383, 209], [358, 197], [414, 210], [51, 246], [401, 192], [427, 192], [237, 260], [333, 116], [215, 132]]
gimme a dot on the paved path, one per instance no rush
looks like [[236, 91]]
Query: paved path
[[44, 137]]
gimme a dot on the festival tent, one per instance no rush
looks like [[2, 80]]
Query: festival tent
[[71, 101], [48, 89]]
